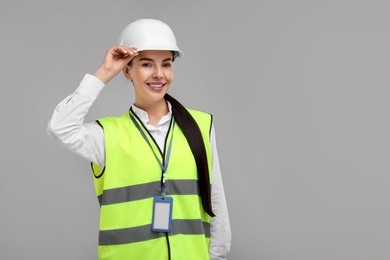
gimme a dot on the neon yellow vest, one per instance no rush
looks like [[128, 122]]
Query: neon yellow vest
[[128, 183]]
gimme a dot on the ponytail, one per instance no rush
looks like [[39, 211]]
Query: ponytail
[[194, 138]]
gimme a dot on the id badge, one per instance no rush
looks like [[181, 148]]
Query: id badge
[[162, 214]]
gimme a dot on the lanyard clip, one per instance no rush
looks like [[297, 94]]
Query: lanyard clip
[[163, 189]]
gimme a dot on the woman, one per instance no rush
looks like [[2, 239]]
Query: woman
[[156, 169]]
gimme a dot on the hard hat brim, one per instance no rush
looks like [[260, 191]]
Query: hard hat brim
[[179, 52]]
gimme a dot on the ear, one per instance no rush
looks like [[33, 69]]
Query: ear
[[126, 72]]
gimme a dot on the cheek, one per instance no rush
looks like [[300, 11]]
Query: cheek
[[169, 75], [139, 75]]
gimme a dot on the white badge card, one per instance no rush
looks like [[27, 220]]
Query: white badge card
[[162, 214]]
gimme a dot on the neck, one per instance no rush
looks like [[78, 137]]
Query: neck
[[155, 110]]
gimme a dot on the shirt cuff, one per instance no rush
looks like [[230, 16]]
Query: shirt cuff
[[90, 86]]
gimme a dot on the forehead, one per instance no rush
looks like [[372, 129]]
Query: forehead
[[154, 55]]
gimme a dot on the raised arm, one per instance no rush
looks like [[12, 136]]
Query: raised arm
[[67, 122]]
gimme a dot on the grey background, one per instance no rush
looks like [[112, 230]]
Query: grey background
[[299, 91]]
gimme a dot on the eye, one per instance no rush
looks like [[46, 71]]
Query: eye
[[146, 64], [167, 65]]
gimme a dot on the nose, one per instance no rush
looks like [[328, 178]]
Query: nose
[[157, 73]]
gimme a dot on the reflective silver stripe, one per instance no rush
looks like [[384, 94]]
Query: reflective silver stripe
[[148, 190], [127, 235], [144, 233], [190, 227]]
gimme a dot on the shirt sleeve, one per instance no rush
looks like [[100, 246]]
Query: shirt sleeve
[[220, 232], [67, 122]]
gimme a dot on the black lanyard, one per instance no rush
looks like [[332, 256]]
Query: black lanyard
[[164, 166]]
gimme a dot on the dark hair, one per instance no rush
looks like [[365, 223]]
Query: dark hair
[[194, 138]]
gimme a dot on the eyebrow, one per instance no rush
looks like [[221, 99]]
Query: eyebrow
[[148, 59]]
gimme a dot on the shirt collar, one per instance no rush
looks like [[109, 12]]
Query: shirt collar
[[144, 117]]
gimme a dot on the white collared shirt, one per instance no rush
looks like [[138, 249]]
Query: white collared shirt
[[87, 140]]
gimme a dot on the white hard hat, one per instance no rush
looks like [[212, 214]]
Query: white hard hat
[[149, 34]]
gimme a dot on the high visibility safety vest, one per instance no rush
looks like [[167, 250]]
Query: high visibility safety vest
[[132, 177]]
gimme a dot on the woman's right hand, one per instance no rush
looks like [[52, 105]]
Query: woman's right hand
[[115, 60]]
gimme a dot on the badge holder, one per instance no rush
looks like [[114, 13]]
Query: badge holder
[[162, 214]]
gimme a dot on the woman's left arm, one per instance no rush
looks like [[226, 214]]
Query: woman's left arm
[[220, 232]]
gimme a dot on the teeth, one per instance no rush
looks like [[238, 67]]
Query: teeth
[[155, 86]]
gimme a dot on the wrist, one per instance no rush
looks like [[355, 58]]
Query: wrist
[[104, 75]]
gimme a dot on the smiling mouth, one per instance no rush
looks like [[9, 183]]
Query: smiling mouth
[[156, 85]]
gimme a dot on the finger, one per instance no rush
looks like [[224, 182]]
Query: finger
[[124, 52], [118, 50], [120, 53], [127, 47], [130, 50], [131, 54]]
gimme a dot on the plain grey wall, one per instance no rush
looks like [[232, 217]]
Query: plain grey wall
[[300, 94]]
